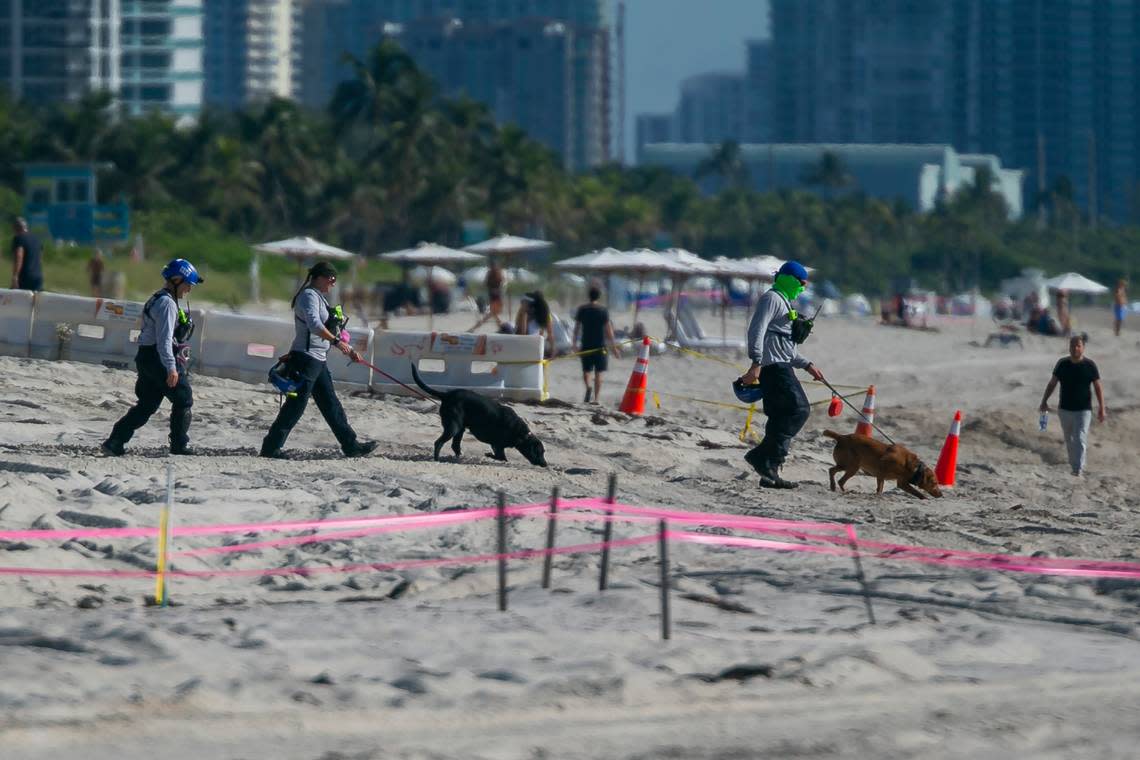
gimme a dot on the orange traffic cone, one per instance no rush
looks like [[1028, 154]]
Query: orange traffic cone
[[948, 460], [634, 400], [864, 425], [835, 408]]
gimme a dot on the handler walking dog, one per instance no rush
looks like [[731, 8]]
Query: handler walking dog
[[773, 335]]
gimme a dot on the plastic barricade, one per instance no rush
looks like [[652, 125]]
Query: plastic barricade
[[502, 366], [81, 329], [15, 321], [244, 347]]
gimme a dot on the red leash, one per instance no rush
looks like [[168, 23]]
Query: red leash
[[374, 368]]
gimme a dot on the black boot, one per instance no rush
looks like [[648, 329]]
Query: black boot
[[112, 448], [756, 458], [273, 454], [180, 431], [771, 479], [360, 448]]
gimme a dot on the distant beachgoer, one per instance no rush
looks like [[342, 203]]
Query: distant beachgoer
[[1076, 374], [95, 269], [533, 318], [1119, 306], [27, 264], [1063, 317], [593, 326]]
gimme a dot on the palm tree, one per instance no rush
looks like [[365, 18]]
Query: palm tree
[[726, 162], [830, 173]]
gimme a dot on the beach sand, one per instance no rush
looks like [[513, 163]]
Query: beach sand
[[772, 655]]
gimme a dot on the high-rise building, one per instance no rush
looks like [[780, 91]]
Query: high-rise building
[[519, 69], [572, 34], [249, 53], [1052, 86], [757, 126], [651, 128], [861, 71], [711, 108], [162, 70], [59, 50]]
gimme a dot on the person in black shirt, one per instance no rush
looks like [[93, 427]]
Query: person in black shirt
[[1076, 374], [27, 269], [592, 325]]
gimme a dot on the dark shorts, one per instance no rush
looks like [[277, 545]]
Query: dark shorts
[[596, 362]]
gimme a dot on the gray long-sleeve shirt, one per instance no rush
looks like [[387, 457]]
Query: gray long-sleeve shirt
[[770, 333], [309, 316], [160, 315]]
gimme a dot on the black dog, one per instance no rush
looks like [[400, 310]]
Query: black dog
[[487, 419]]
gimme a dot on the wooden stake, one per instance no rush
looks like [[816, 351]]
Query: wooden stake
[[551, 522], [663, 552], [163, 540], [607, 535], [502, 521], [859, 573]]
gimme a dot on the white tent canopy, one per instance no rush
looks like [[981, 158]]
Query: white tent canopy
[[694, 263], [508, 244], [1075, 283]]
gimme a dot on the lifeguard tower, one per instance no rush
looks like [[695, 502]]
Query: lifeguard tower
[[60, 202]]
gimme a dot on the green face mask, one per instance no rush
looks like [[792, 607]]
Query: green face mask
[[788, 286]]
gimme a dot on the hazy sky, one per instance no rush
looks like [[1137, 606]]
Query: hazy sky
[[668, 41]]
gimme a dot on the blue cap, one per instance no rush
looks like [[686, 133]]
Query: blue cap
[[795, 269], [184, 269]]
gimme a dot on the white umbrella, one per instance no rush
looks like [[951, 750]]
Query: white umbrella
[[431, 255], [1075, 283], [508, 245], [640, 261], [505, 245], [301, 249]]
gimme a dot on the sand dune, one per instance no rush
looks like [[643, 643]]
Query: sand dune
[[772, 655]]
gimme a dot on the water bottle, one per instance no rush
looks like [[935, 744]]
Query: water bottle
[[1044, 421]]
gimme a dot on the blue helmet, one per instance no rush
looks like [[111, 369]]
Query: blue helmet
[[748, 394], [283, 380], [795, 269], [184, 269]]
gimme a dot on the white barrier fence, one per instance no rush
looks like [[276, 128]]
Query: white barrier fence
[[242, 347], [506, 366]]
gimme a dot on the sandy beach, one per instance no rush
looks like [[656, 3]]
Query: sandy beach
[[772, 655]]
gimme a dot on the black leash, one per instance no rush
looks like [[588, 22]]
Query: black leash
[[857, 410]]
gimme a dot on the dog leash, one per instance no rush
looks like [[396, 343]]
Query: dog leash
[[857, 410], [374, 368]]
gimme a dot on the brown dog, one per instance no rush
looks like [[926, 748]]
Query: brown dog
[[854, 452]]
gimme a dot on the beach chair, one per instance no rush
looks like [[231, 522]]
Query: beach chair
[[563, 335], [686, 332]]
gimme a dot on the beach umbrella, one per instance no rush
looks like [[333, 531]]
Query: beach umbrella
[[639, 262], [300, 249], [432, 255], [505, 246], [508, 245], [1075, 283]]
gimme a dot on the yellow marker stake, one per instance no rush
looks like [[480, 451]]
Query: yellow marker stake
[[163, 540], [748, 422]]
